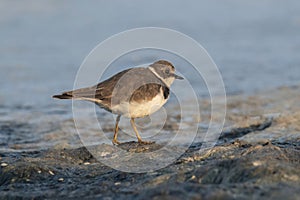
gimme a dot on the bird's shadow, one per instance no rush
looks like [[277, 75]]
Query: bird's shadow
[[136, 147]]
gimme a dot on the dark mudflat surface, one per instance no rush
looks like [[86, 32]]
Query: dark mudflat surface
[[233, 170], [257, 157]]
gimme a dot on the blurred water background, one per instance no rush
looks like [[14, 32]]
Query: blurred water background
[[255, 44]]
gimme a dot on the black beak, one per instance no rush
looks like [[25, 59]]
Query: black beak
[[177, 77]]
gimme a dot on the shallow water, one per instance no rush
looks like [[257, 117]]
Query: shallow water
[[255, 45]]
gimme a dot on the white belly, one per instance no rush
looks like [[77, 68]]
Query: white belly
[[142, 109]]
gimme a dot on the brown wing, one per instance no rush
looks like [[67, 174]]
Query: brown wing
[[105, 89], [138, 83], [125, 86], [100, 91]]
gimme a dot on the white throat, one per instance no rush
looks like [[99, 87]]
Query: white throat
[[167, 81]]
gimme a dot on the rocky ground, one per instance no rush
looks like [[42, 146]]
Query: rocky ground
[[257, 157]]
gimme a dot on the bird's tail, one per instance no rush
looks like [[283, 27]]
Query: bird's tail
[[65, 95]]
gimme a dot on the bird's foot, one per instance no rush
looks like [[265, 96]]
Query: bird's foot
[[115, 142], [146, 142]]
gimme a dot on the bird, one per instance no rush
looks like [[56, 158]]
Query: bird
[[133, 93]]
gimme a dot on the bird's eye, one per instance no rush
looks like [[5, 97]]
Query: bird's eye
[[167, 71]]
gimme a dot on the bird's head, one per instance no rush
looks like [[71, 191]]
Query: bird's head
[[165, 71]]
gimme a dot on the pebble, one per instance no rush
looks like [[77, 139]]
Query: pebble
[[103, 154], [4, 164], [86, 163], [117, 183], [257, 163], [291, 177]]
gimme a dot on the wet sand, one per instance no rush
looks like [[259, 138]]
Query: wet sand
[[257, 157]]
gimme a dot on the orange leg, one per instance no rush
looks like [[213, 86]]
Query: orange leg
[[115, 140], [137, 133]]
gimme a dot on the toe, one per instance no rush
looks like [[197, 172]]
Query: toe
[[116, 142]]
